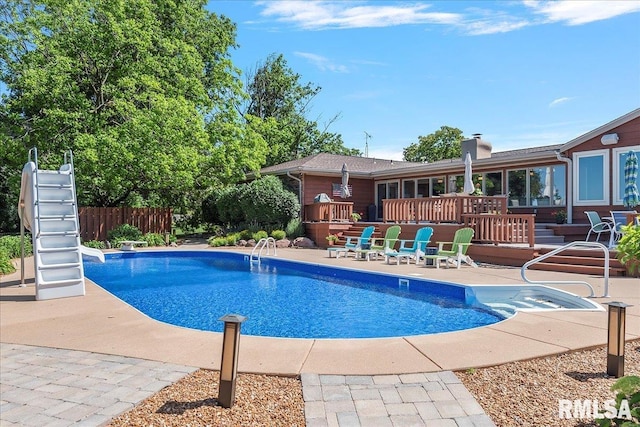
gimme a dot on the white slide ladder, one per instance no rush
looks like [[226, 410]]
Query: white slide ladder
[[48, 208], [268, 243]]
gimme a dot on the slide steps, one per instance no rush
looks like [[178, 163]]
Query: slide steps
[[48, 208]]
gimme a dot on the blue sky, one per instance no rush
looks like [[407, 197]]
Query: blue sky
[[521, 73]]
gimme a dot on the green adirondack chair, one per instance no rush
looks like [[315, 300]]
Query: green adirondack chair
[[389, 241], [457, 251]]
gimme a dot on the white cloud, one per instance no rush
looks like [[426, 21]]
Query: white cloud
[[559, 101], [323, 63], [348, 14], [578, 12], [326, 14]]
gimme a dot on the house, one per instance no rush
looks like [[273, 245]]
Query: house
[[585, 173]]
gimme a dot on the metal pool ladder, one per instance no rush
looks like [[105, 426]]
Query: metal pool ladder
[[571, 282], [264, 243]]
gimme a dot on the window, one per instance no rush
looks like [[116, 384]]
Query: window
[[490, 182], [438, 186], [408, 189], [517, 187], [591, 172], [424, 188], [547, 186], [619, 159]]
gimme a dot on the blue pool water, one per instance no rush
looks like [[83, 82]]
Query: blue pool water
[[282, 298]]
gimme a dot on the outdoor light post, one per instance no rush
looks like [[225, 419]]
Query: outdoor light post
[[615, 342], [229, 364]]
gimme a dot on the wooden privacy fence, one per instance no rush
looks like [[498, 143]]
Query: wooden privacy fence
[[502, 228], [96, 222], [440, 209]]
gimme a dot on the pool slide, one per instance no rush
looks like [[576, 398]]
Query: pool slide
[[48, 208]]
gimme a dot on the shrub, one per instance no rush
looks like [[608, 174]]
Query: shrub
[[123, 232], [628, 390], [11, 245], [154, 239], [246, 234], [294, 228], [6, 266], [266, 201], [278, 234], [629, 248], [96, 244], [229, 206], [217, 241], [259, 235], [232, 239]]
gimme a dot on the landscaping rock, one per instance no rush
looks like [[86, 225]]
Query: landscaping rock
[[303, 242], [283, 243]]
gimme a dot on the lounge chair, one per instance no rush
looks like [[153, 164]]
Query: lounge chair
[[598, 226], [353, 243], [388, 242], [618, 219], [416, 251], [457, 252]]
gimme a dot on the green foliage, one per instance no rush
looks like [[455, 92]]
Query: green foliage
[[263, 202], [294, 228], [267, 202], [143, 91], [228, 205], [154, 239], [217, 241], [278, 107], [629, 248], [442, 144], [246, 234], [332, 238], [278, 234], [628, 389], [259, 235], [11, 245], [6, 266], [123, 232], [232, 239], [96, 244]]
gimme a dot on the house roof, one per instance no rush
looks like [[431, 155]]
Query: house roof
[[601, 130], [331, 164], [325, 163]]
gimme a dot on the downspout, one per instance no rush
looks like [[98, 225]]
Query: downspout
[[569, 163], [299, 193]]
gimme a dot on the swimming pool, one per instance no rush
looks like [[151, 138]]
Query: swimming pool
[[283, 298]]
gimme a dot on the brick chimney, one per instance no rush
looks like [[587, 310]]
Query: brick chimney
[[478, 148]]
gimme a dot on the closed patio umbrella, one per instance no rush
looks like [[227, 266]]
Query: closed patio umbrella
[[468, 181], [631, 197], [344, 188]]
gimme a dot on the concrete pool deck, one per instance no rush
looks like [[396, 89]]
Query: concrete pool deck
[[100, 323]]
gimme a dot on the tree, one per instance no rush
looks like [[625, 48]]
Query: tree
[[142, 91], [282, 103], [442, 144]]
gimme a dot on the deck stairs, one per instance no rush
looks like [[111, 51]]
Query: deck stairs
[[546, 236], [580, 261], [354, 232]]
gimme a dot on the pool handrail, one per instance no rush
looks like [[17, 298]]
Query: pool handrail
[[571, 282], [260, 246]]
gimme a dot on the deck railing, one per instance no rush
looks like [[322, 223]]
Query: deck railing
[[441, 209], [502, 228], [329, 211]]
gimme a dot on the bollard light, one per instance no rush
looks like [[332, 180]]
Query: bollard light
[[615, 341], [229, 364]]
